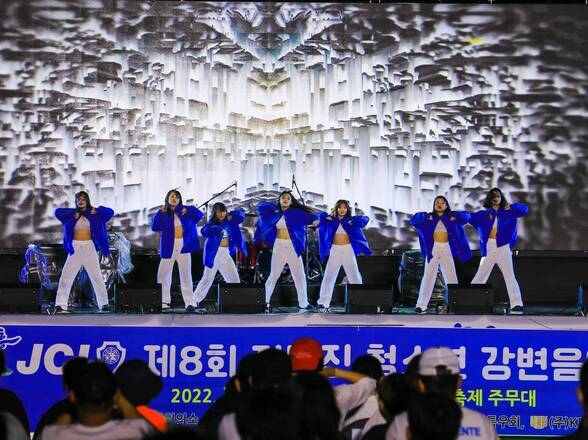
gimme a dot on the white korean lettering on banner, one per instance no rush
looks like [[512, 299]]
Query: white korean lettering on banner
[[567, 363], [497, 372], [527, 358], [387, 357], [415, 352], [216, 360], [331, 354]]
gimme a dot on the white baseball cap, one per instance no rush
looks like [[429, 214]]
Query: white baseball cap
[[438, 361]]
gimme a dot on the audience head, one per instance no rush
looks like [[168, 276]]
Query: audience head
[[71, 369], [137, 382], [306, 354], [94, 388], [433, 416], [272, 368], [241, 381], [439, 371], [320, 414], [269, 413], [394, 393], [368, 366], [412, 369]]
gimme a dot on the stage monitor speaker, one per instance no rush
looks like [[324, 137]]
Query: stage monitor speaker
[[237, 298], [369, 298], [20, 298], [471, 299], [583, 299], [134, 299]]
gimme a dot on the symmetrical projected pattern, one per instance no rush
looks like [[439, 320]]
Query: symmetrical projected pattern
[[385, 105]]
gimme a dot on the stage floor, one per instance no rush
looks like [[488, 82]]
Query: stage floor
[[529, 322]]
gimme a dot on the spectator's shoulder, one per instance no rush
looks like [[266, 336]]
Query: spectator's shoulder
[[397, 429]]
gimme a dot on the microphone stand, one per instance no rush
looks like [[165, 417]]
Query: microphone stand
[[216, 196], [306, 245]]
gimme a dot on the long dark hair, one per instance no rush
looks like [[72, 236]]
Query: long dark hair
[[168, 208], [85, 195], [294, 202], [447, 210], [490, 196], [218, 206], [321, 418], [339, 203]]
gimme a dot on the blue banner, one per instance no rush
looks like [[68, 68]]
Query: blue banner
[[524, 380]]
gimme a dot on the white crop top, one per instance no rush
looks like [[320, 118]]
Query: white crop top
[[82, 224], [177, 221], [440, 227], [340, 230], [282, 223], [225, 233], [495, 225]]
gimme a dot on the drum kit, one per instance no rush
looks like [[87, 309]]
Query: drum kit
[[254, 268]]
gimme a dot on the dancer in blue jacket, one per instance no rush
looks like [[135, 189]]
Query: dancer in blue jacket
[[283, 227], [441, 236], [340, 239], [497, 228], [84, 233], [179, 238], [223, 238]]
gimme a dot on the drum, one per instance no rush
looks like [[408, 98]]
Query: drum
[[412, 267]]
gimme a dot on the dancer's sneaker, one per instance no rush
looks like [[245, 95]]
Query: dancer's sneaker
[[517, 310]]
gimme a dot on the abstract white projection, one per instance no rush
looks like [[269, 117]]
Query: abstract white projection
[[385, 105]]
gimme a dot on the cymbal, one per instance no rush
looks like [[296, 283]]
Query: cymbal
[[251, 214]]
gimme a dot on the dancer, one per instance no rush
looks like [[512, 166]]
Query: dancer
[[283, 227], [179, 238], [340, 239], [84, 232], [223, 238], [441, 236], [497, 228]]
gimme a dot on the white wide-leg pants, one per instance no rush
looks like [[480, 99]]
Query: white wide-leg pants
[[164, 274], [223, 263], [443, 259], [502, 256], [85, 256], [283, 253], [340, 255]]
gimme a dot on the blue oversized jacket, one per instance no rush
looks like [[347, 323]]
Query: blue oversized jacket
[[507, 224], [351, 225], [458, 241], [164, 223], [214, 234], [296, 220], [98, 221]]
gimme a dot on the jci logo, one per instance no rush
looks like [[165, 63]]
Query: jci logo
[[111, 353]]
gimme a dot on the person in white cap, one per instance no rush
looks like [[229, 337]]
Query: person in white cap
[[439, 373]]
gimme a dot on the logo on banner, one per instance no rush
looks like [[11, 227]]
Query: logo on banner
[[111, 353], [539, 422], [5, 341]]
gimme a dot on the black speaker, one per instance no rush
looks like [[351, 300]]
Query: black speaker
[[19, 298], [133, 299], [369, 298], [474, 299], [237, 298], [583, 299]]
